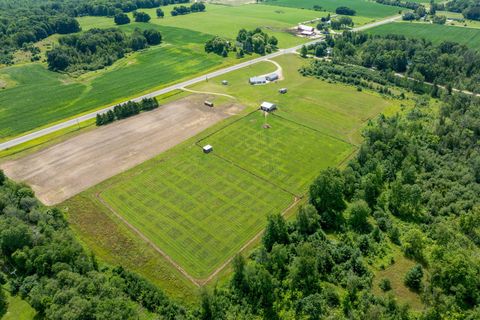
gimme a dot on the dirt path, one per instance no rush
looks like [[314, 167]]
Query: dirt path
[[209, 93], [70, 167]]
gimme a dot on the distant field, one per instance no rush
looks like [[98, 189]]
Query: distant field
[[198, 208], [433, 32], [37, 97], [226, 21], [364, 8]]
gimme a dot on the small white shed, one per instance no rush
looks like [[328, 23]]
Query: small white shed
[[268, 106], [207, 149]]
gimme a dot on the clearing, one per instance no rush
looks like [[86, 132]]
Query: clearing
[[63, 170], [433, 32]]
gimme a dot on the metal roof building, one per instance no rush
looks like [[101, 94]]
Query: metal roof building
[[268, 106], [257, 80]]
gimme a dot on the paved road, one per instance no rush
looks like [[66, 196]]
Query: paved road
[[92, 115]]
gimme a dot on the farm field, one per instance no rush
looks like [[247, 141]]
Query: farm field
[[226, 21], [287, 153], [433, 32], [65, 169], [25, 104], [363, 8], [201, 209], [197, 208], [180, 56]]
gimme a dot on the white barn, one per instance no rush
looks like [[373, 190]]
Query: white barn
[[268, 106]]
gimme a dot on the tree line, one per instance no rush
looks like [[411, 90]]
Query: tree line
[[126, 110], [28, 21], [97, 48], [182, 10], [449, 63]]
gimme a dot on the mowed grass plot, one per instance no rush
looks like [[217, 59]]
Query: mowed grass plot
[[281, 151], [433, 32], [199, 209], [364, 8]]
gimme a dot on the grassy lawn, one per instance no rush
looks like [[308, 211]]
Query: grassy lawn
[[433, 32], [396, 273], [288, 154], [18, 309], [364, 8], [198, 208], [335, 109]]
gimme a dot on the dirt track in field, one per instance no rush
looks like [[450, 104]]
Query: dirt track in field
[[70, 167]]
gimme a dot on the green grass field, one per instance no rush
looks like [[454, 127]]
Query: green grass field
[[334, 109], [287, 154], [39, 97], [433, 32], [198, 208], [364, 8], [201, 209], [35, 97], [226, 21], [18, 309]]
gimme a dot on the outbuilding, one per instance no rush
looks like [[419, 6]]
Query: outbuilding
[[207, 149], [225, 82], [283, 90], [268, 106], [272, 77], [209, 104], [257, 80]]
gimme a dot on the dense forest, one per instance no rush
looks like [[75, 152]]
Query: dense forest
[[413, 186], [97, 48], [28, 21], [41, 261], [448, 63]]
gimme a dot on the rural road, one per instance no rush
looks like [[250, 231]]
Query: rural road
[[178, 86]]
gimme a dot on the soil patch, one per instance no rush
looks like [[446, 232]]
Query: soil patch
[[72, 166]]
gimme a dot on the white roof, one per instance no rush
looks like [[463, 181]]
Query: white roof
[[307, 33], [267, 105], [305, 28], [207, 147]]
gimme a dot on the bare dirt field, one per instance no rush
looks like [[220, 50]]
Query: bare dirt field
[[70, 167]]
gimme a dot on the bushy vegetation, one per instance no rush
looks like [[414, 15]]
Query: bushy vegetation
[[44, 264], [249, 42], [397, 3], [469, 8], [97, 48], [319, 266], [345, 11], [126, 110], [448, 64], [182, 10]]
